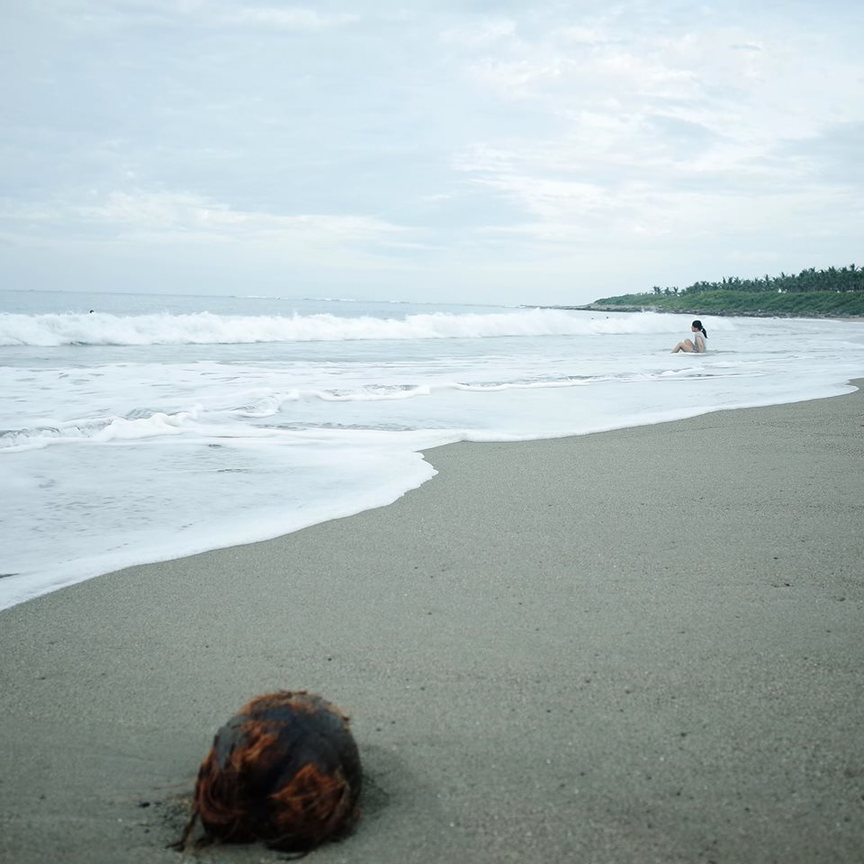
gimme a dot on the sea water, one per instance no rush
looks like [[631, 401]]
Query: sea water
[[137, 428]]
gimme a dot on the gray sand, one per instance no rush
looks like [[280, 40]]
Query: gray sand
[[640, 646]]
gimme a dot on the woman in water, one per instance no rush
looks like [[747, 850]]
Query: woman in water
[[696, 345]]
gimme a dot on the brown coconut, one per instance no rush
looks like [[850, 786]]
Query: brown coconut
[[284, 770]]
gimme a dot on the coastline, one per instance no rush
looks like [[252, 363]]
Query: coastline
[[638, 645], [715, 313]]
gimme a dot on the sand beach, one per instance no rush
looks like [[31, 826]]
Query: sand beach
[[636, 646]]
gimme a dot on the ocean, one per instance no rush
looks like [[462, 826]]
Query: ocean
[[138, 428]]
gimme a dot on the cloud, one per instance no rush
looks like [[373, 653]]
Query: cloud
[[479, 34], [517, 79], [146, 11], [294, 18], [672, 132], [834, 155], [169, 218], [497, 132]]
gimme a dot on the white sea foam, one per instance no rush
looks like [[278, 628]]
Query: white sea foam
[[126, 438], [205, 328]]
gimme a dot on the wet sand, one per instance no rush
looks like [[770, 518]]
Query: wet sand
[[637, 646]]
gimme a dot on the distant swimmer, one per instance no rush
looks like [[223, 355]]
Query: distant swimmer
[[696, 345]]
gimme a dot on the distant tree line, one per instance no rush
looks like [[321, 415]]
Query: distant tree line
[[840, 279], [835, 292]]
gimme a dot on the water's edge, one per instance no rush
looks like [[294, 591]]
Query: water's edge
[[850, 386]]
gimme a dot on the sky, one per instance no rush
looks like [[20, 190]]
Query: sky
[[489, 152]]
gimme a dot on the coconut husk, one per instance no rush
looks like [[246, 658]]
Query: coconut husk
[[284, 770]]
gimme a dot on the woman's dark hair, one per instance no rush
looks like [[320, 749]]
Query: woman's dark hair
[[698, 325]]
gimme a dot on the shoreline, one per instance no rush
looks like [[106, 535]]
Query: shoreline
[[717, 313], [48, 582], [627, 646]]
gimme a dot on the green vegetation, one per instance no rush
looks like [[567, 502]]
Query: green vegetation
[[835, 292]]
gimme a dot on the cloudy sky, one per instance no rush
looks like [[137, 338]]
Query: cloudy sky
[[519, 152]]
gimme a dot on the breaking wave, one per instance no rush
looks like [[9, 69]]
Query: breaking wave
[[207, 328]]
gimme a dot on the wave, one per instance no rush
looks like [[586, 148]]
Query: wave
[[230, 421], [207, 328], [139, 424]]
